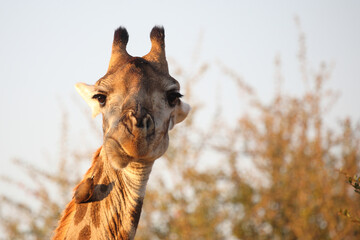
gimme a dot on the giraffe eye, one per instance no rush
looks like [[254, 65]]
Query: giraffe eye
[[101, 99], [173, 98]]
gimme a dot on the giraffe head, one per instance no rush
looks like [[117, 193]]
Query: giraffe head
[[139, 101]]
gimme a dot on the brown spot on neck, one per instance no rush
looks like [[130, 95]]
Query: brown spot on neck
[[85, 233], [80, 213], [95, 213]]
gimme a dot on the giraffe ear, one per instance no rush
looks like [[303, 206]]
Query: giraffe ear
[[87, 92], [180, 113]]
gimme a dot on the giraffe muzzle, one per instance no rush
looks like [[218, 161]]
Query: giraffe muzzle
[[139, 124]]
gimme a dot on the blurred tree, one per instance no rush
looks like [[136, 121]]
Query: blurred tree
[[45, 193]]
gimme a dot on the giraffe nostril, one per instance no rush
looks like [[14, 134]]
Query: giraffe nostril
[[143, 123], [129, 122], [149, 123]]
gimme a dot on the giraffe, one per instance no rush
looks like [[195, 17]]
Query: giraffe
[[139, 102]]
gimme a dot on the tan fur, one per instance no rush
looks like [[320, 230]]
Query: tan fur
[[69, 212], [139, 102]]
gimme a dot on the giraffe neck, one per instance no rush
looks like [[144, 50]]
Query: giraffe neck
[[114, 210], [135, 176], [129, 191]]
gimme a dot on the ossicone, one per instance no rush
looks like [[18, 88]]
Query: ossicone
[[157, 36], [157, 52], [119, 54], [121, 37]]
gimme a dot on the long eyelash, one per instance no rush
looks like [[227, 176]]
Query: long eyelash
[[97, 95], [178, 95]]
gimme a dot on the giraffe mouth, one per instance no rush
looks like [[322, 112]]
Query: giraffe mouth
[[126, 143], [122, 143]]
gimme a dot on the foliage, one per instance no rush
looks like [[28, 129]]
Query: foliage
[[355, 183], [43, 193], [201, 189]]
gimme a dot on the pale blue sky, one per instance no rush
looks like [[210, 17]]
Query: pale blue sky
[[48, 46]]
